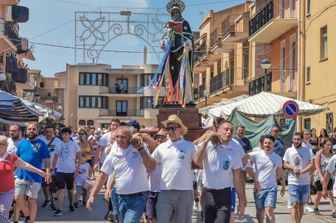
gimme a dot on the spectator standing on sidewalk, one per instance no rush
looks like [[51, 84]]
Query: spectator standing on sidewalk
[[322, 159], [64, 167], [268, 166], [298, 161], [130, 164], [330, 173], [28, 184], [221, 171], [279, 147], [243, 141], [175, 156]]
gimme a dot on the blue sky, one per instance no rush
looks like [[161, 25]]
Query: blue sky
[[52, 22]]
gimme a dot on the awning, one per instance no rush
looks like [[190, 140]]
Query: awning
[[44, 110], [264, 104]]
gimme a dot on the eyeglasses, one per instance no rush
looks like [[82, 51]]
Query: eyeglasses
[[172, 128]]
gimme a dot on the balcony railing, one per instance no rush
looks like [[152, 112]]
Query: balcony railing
[[134, 113], [118, 90], [221, 81], [200, 52], [228, 26], [199, 91], [215, 39], [259, 84], [261, 18]]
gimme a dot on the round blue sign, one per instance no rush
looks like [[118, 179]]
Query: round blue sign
[[290, 109]]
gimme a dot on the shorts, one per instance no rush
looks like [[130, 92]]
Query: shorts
[[233, 199], [298, 193], [319, 187], [266, 198], [151, 204], [28, 188], [64, 178]]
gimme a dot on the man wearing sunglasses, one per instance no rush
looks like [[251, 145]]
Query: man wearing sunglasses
[[221, 171], [54, 144], [175, 155]]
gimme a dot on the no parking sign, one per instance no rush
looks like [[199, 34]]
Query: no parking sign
[[290, 109]]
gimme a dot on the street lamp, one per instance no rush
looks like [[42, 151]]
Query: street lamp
[[206, 95], [266, 65]]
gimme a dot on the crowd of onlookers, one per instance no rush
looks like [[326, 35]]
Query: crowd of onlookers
[[155, 175]]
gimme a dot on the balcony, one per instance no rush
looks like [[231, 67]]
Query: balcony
[[235, 32], [200, 53], [221, 81], [120, 91], [215, 40], [5, 43], [269, 23], [198, 92], [115, 113], [259, 84]]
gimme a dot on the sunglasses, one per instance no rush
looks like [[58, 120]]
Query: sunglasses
[[172, 128], [81, 133]]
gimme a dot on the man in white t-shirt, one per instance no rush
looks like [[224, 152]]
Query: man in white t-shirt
[[130, 164], [64, 167], [298, 162], [331, 171], [54, 144], [221, 171], [175, 156], [268, 168]]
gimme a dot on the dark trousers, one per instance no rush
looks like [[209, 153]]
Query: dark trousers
[[216, 205]]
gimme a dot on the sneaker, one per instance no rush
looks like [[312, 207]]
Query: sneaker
[[59, 212], [71, 208], [46, 203], [289, 205], [106, 215], [110, 216], [316, 211], [76, 205], [308, 209]]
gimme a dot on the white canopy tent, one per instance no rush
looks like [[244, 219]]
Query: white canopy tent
[[263, 104]]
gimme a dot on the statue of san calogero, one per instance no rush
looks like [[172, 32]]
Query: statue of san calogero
[[175, 72]]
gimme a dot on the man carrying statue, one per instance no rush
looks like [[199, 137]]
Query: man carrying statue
[[175, 72]]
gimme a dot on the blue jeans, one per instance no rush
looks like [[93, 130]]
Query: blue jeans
[[114, 201], [131, 208], [266, 198], [298, 193]]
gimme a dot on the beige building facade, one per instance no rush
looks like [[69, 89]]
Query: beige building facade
[[93, 94]]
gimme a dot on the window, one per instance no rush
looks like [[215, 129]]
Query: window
[[308, 8], [121, 108], [90, 123], [82, 122], [307, 124], [145, 79], [93, 102], [246, 62], [330, 122], [324, 42], [308, 75], [93, 79]]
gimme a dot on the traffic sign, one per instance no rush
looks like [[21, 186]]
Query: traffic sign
[[290, 109]]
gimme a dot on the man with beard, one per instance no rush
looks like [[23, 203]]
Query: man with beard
[[54, 144], [15, 138], [298, 162], [27, 183]]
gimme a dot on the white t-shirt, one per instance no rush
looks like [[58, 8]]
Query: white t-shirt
[[127, 165], [299, 158], [176, 158], [55, 146], [265, 168], [155, 179], [104, 141], [12, 146], [219, 162], [67, 157], [331, 168], [235, 145], [83, 174]]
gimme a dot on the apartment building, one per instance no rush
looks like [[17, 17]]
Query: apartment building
[[221, 65], [319, 64], [93, 94], [273, 35]]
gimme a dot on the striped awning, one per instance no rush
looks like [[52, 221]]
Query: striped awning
[[263, 104]]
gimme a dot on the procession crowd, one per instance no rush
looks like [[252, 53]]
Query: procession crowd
[[156, 175]]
